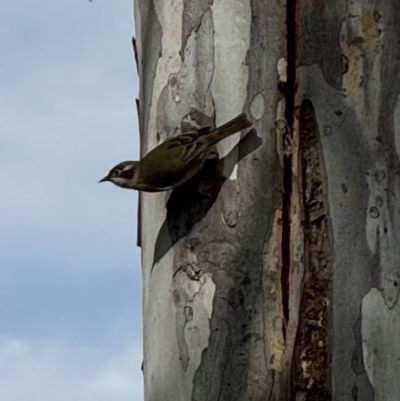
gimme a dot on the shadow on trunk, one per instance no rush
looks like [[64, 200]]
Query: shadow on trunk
[[189, 203]]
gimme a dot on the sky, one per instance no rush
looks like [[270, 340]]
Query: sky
[[70, 277]]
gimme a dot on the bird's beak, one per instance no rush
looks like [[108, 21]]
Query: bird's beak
[[104, 179]]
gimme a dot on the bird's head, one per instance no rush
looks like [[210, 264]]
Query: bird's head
[[124, 175]]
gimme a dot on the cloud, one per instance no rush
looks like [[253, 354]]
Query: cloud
[[70, 270], [48, 372], [68, 115]]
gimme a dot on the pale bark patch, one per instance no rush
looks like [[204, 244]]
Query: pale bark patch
[[381, 345]]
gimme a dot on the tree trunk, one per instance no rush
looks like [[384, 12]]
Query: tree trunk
[[274, 274]]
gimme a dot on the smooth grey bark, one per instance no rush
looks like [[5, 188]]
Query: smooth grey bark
[[348, 66], [274, 275]]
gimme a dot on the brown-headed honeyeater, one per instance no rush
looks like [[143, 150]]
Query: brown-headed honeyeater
[[174, 161]]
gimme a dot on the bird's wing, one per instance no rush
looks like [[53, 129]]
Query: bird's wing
[[175, 158], [187, 144], [186, 138]]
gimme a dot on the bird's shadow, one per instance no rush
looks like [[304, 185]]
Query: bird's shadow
[[189, 203]]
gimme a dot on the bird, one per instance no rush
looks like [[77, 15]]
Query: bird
[[175, 161]]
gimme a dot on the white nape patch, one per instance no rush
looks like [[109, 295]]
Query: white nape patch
[[128, 167], [282, 69]]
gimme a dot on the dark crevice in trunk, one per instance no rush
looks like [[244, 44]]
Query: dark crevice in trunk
[[310, 368], [287, 159], [287, 180]]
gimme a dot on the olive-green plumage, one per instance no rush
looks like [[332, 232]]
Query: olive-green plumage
[[174, 161]]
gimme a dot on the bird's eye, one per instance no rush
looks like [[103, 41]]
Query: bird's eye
[[117, 172]]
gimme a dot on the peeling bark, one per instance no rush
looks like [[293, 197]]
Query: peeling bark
[[312, 350], [274, 274], [348, 68]]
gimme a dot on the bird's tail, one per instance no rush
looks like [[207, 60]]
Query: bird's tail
[[231, 127]]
